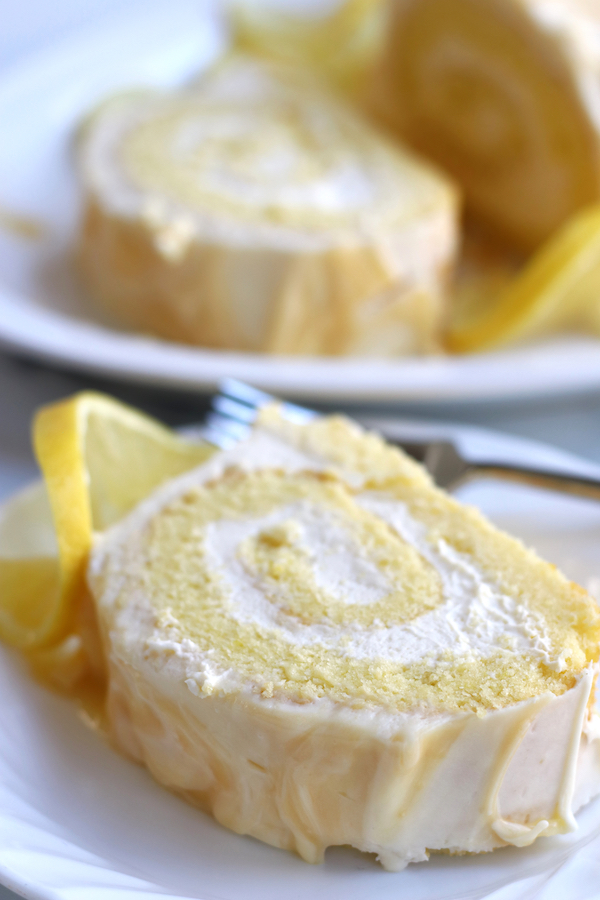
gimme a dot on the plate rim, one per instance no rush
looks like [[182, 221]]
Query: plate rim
[[51, 337]]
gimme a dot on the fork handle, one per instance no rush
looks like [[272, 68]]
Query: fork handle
[[555, 481]]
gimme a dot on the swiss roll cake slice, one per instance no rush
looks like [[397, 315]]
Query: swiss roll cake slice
[[505, 96], [255, 211], [308, 639]]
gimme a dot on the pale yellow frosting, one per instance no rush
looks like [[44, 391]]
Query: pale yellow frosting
[[310, 640]]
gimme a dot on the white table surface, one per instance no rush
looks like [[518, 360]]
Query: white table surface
[[572, 423]]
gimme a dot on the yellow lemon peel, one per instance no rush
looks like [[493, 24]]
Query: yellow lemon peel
[[98, 458], [558, 289]]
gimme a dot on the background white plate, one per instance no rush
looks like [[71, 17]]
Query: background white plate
[[77, 820], [44, 315]]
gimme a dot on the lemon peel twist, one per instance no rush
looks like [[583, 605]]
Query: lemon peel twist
[[98, 459], [558, 289]]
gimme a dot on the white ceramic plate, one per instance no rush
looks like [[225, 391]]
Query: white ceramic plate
[[77, 820], [44, 315]]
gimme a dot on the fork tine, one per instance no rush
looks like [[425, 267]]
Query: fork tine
[[237, 391], [223, 437], [233, 409], [227, 426], [216, 437], [298, 414], [236, 407]]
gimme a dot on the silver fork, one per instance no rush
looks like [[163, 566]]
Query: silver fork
[[235, 408]]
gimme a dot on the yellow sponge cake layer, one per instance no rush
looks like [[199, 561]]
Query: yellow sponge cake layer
[[308, 603]]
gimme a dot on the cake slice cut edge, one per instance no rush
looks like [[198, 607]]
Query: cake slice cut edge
[[308, 639]]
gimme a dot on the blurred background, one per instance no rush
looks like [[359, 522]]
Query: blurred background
[[570, 421]]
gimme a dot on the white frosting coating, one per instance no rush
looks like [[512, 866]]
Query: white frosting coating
[[483, 781]]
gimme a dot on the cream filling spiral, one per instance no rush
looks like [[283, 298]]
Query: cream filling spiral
[[276, 573], [474, 618]]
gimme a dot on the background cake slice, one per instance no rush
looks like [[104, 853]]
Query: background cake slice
[[308, 639], [504, 95], [256, 211]]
